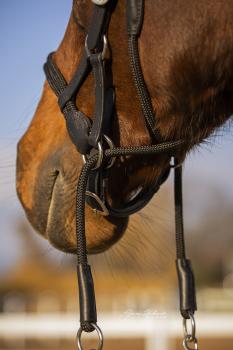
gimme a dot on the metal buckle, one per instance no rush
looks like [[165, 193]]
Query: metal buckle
[[105, 47], [99, 333]]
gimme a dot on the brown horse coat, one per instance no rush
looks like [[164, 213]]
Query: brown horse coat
[[186, 51]]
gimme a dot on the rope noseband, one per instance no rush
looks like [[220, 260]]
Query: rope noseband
[[92, 141]]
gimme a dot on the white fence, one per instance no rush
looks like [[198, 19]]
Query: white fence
[[155, 330]]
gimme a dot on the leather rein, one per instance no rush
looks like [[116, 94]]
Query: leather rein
[[99, 153]]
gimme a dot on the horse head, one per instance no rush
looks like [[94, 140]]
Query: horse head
[[185, 51]]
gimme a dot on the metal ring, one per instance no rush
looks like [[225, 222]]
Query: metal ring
[[100, 157], [105, 211], [101, 154], [188, 340], [100, 335], [105, 47], [111, 146], [191, 335]]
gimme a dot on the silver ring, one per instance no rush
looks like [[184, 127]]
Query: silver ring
[[105, 211], [99, 333], [111, 146], [191, 335], [101, 154], [186, 342], [100, 157], [105, 47]]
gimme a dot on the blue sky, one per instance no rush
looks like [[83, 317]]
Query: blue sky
[[29, 30]]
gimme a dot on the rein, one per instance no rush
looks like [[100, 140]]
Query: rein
[[99, 154]]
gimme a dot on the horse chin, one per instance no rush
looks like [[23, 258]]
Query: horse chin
[[53, 216], [101, 232]]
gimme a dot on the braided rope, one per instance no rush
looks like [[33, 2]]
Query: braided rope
[[166, 147]]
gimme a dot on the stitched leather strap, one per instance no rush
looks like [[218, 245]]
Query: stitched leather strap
[[98, 25], [187, 291], [77, 123], [99, 77], [87, 302], [79, 126], [135, 14], [185, 274], [76, 82]]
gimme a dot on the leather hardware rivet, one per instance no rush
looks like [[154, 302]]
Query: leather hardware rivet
[[100, 2]]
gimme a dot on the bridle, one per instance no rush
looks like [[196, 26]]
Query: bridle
[[99, 153]]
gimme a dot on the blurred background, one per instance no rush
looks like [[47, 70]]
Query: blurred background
[[135, 281]]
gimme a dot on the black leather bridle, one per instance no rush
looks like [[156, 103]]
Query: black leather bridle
[[91, 139]]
